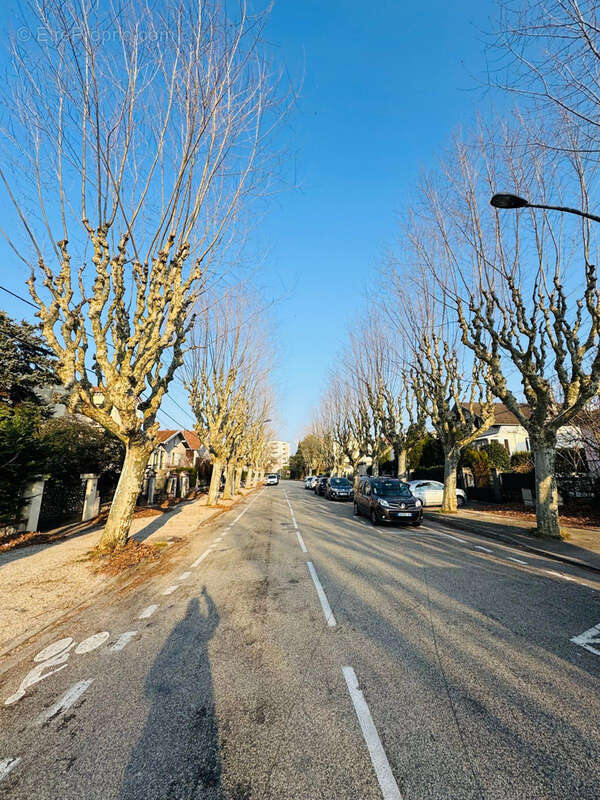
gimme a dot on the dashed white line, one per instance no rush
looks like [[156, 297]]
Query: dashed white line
[[516, 560], [171, 589], [483, 549], [184, 576], [301, 541], [123, 640], [201, 558], [6, 765], [66, 701], [330, 619], [381, 765], [447, 535], [147, 612]]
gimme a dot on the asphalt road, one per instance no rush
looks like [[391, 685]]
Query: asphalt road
[[311, 655]]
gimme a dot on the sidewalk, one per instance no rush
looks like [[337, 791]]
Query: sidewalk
[[41, 583], [581, 548]]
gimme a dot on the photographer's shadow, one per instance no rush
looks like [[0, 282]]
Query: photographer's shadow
[[177, 755]]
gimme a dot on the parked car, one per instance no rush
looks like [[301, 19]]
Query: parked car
[[320, 485], [272, 479], [308, 481], [338, 489], [387, 500], [430, 493]]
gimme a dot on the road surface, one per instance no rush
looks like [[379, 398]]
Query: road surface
[[298, 652]]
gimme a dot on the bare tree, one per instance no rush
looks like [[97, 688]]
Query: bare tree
[[226, 369], [523, 303], [551, 60], [342, 399], [141, 129], [367, 362], [451, 393]]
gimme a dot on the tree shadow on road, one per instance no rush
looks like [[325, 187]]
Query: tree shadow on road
[[177, 756]]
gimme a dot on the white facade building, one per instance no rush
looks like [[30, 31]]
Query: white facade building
[[279, 455]]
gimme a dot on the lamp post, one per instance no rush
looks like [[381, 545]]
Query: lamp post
[[514, 201]]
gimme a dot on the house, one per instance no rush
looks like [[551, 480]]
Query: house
[[508, 431], [175, 449]]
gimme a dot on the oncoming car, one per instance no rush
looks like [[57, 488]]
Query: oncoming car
[[387, 500], [272, 479], [338, 489]]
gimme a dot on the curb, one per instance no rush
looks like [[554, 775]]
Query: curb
[[117, 583], [478, 529]]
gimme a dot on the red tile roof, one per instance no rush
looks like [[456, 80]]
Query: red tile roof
[[162, 436], [193, 440]]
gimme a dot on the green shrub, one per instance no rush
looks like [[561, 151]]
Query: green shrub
[[497, 454]]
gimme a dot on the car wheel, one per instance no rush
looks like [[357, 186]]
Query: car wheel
[[374, 520], [416, 522], [460, 501]]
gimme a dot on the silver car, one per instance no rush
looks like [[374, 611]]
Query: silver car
[[431, 493]]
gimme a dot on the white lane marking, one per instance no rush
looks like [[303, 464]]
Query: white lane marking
[[92, 642], [123, 640], [588, 638], [301, 541], [218, 539], [330, 619], [381, 765], [184, 576], [447, 535], [199, 560], [483, 549], [516, 560], [70, 697], [171, 589], [54, 649], [6, 764], [147, 612], [561, 575], [295, 523]]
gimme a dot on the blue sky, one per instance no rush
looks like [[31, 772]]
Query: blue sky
[[382, 86], [385, 83]]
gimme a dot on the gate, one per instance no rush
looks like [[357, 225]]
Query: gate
[[62, 503]]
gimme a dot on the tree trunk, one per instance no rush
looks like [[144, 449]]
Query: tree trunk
[[228, 489], [250, 478], [215, 483], [116, 531], [402, 459], [451, 457], [237, 485], [546, 493], [375, 467]]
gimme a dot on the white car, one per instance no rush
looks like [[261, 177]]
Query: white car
[[272, 479], [308, 482], [430, 493]]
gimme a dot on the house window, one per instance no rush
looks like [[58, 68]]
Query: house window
[[506, 446], [527, 445]]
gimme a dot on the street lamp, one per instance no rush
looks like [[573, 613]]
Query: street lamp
[[514, 201]]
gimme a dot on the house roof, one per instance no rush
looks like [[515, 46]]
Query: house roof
[[190, 438], [193, 440], [502, 416], [164, 436]]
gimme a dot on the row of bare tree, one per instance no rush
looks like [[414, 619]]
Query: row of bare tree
[[482, 304], [136, 136]]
